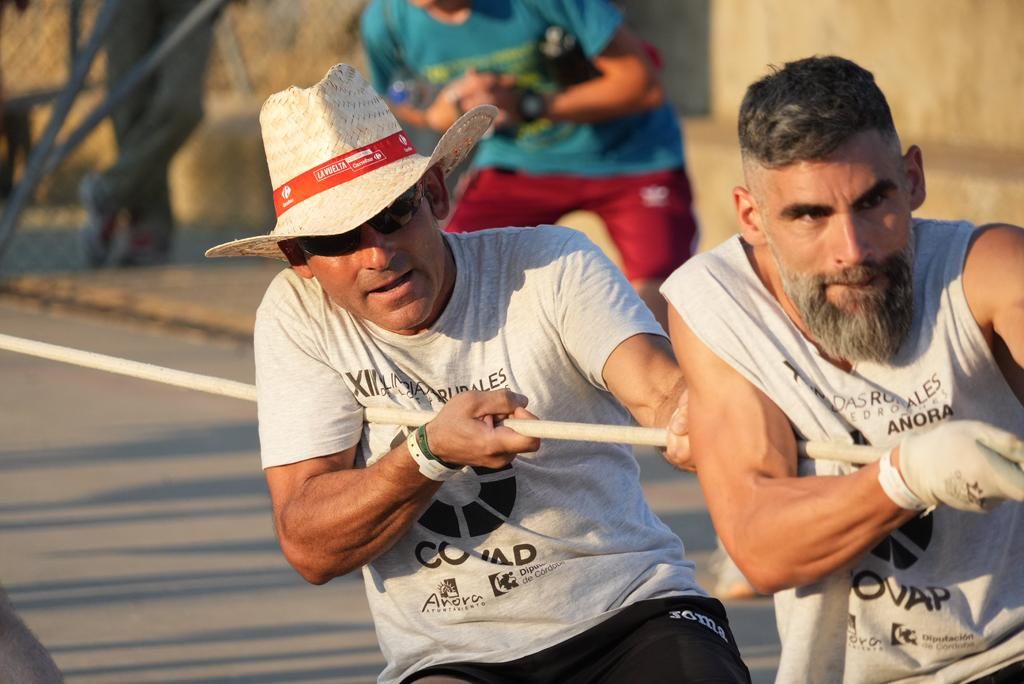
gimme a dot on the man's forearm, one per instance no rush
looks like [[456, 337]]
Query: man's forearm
[[627, 85], [344, 519], [438, 116], [797, 530], [332, 518], [643, 375], [603, 99], [670, 402]]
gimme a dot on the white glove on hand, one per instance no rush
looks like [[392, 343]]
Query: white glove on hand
[[965, 464]]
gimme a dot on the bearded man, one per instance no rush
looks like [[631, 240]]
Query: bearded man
[[835, 315]]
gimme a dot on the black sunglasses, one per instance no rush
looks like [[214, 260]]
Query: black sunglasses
[[396, 215]]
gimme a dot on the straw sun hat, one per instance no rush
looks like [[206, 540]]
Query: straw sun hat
[[337, 157]]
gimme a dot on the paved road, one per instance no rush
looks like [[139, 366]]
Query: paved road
[[135, 535]]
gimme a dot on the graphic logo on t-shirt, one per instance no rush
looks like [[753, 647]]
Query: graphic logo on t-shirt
[[447, 599], [370, 382], [906, 545], [502, 582], [431, 554], [902, 635], [468, 506], [870, 586], [493, 504], [926, 404], [860, 642], [448, 589], [902, 549]]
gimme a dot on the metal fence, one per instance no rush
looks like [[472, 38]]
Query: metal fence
[[259, 47]]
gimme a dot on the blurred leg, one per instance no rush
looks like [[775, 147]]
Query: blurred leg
[[132, 32], [104, 195], [23, 657], [172, 110], [649, 218], [499, 199]]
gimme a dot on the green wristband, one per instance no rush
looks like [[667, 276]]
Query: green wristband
[[421, 442], [430, 466]]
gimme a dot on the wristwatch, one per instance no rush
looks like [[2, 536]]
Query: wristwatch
[[532, 106]]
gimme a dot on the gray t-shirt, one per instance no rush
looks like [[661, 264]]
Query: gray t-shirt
[[502, 563], [942, 598]]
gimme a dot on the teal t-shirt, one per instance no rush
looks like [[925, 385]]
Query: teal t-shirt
[[501, 36]]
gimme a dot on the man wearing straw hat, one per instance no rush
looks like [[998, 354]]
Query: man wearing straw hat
[[835, 315], [487, 555]]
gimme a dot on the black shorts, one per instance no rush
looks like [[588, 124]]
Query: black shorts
[[1011, 674], [677, 639]]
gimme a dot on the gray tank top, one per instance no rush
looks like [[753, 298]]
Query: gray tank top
[[942, 598]]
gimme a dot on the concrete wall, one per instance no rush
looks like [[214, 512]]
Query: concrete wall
[[681, 31], [953, 71]]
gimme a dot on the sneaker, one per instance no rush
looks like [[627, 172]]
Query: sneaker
[[97, 234], [143, 256], [147, 246]]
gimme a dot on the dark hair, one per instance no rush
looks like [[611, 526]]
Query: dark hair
[[809, 108]]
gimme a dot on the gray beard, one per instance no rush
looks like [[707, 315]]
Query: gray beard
[[871, 328]]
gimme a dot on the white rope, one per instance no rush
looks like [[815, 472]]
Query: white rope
[[543, 429], [133, 369]]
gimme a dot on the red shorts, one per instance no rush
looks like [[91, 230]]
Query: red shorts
[[647, 215]]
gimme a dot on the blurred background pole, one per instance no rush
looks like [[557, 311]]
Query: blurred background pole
[[132, 79], [35, 167], [42, 161], [74, 30]]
